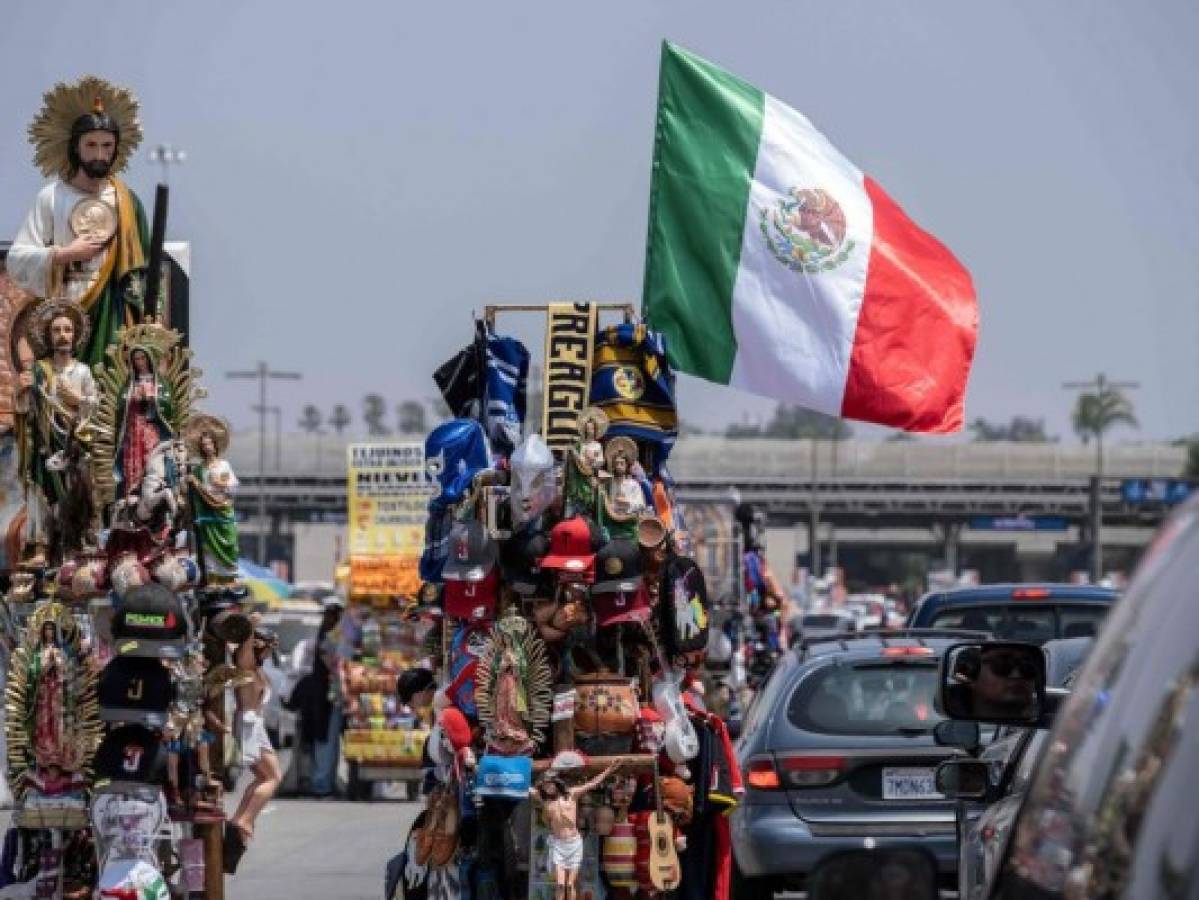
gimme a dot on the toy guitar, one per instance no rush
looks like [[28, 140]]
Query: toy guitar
[[664, 871]]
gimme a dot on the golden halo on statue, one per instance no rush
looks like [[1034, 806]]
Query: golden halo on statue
[[620, 446], [596, 416], [38, 324], [50, 131], [205, 423]]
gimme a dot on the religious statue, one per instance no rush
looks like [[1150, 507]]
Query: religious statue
[[52, 720], [212, 484], [86, 238], [145, 415], [146, 395], [585, 464], [56, 399], [623, 498], [513, 687]]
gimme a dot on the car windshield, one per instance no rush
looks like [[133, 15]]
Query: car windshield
[[892, 697], [1036, 624], [823, 620]]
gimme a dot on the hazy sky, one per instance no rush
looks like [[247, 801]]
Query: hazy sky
[[364, 174]]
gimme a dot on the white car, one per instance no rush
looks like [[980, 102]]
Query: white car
[[827, 622]]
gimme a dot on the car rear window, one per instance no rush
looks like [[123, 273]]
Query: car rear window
[[873, 698], [1025, 623], [823, 621]]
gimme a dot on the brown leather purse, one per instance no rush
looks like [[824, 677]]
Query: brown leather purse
[[607, 705]]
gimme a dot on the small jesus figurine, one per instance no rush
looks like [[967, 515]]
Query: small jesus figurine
[[565, 844]]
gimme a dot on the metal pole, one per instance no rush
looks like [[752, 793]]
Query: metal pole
[[263, 372], [262, 375]]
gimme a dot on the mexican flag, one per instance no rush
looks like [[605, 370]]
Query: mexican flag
[[776, 266]]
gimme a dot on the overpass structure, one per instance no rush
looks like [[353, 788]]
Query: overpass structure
[[923, 497]]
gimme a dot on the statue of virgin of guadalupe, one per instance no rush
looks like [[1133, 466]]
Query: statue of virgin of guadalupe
[[49, 672], [145, 410]]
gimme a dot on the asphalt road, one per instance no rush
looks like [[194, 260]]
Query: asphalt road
[[321, 849]]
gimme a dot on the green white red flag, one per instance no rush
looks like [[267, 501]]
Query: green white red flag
[[776, 266]]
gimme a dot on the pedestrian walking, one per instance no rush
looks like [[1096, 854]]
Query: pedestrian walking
[[322, 717]]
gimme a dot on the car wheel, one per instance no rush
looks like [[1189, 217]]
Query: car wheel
[[744, 886]]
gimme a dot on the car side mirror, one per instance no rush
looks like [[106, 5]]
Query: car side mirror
[[902, 874], [998, 682], [963, 779], [956, 733]]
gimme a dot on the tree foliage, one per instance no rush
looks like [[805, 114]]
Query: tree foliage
[[794, 422], [1021, 429], [339, 419], [374, 410], [311, 419], [412, 417], [1192, 464], [1097, 412]]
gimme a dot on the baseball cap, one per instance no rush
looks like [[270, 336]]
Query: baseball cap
[[135, 689], [572, 548], [474, 600], [520, 559], [621, 606], [131, 753], [472, 553], [617, 567], [150, 622]]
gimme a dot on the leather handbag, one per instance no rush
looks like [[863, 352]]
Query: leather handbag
[[606, 705]]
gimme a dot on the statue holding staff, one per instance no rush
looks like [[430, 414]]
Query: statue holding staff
[[86, 238]]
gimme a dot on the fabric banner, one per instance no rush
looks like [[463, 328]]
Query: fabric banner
[[569, 344], [388, 494]]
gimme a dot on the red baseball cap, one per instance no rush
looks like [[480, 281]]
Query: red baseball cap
[[473, 600], [621, 606], [572, 548]]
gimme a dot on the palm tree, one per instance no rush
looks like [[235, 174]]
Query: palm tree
[[340, 418], [374, 408], [412, 417], [311, 419], [1096, 412]]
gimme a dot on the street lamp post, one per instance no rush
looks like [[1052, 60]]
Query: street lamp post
[[166, 156], [277, 412], [263, 373], [1102, 388]]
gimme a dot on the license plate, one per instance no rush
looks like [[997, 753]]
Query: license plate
[[910, 784]]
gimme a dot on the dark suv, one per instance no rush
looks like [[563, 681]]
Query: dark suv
[[1018, 612], [837, 749]]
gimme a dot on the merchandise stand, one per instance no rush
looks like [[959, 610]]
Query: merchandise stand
[[573, 623], [380, 744]]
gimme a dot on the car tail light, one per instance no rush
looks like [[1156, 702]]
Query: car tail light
[[761, 774], [1030, 593], [812, 771], [908, 651]]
